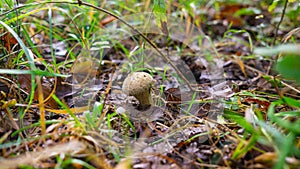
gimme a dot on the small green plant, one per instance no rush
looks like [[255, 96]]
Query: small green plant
[[284, 135]]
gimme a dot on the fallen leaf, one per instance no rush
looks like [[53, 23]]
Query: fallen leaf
[[107, 20], [266, 158], [8, 41]]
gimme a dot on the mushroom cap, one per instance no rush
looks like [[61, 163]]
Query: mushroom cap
[[137, 83]]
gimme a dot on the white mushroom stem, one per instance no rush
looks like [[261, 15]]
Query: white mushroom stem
[[138, 84], [144, 98]]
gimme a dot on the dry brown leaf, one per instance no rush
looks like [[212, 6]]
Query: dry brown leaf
[[8, 41], [31, 158], [266, 158], [107, 20], [227, 13], [25, 83]]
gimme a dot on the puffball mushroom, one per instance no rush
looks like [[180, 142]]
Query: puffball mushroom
[[138, 84]]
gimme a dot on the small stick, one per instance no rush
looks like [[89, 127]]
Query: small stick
[[281, 19]]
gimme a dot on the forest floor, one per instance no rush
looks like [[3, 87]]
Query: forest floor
[[225, 92]]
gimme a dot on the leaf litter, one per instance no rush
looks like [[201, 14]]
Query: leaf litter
[[206, 143]]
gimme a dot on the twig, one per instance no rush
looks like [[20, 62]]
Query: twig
[[105, 96], [281, 19], [291, 87], [280, 94], [275, 37]]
